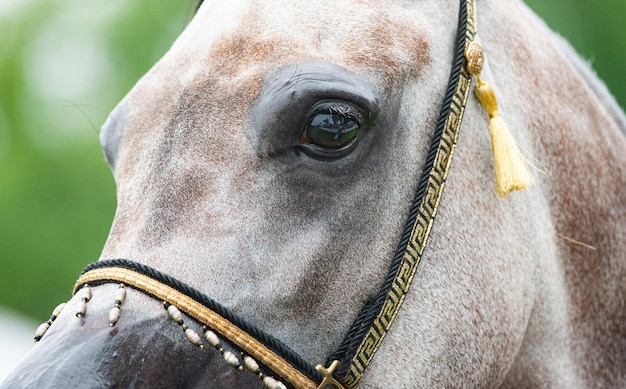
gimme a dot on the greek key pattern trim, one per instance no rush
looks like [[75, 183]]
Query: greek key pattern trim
[[423, 223]]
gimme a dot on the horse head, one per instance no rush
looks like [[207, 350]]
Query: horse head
[[269, 161]]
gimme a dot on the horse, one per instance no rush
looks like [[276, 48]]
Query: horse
[[269, 160]]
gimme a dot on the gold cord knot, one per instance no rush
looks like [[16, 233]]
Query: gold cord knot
[[510, 166], [475, 56]]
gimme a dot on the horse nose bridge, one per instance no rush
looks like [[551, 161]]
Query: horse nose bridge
[[186, 156], [198, 201], [192, 176]]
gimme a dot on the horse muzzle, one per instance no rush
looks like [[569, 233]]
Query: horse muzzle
[[141, 351]]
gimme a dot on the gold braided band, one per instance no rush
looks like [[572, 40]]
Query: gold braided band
[[204, 315]]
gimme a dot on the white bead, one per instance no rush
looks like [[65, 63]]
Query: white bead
[[114, 316], [211, 338], [82, 309], [86, 293], [175, 314], [271, 383], [41, 331], [57, 311], [193, 337], [120, 295], [251, 364], [231, 359]]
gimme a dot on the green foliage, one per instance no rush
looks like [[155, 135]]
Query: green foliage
[[57, 195], [64, 64], [597, 30]]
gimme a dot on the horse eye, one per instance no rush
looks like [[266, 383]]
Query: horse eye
[[332, 129]]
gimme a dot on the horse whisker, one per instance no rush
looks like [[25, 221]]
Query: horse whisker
[[585, 245]]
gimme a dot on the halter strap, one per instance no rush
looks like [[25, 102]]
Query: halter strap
[[371, 326], [347, 364]]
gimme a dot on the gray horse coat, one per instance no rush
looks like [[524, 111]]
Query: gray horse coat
[[215, 189]]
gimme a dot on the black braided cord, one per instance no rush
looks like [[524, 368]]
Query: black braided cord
[[269, 341], [366, 317]]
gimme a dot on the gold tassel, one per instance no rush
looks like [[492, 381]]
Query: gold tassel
[[511, 170]]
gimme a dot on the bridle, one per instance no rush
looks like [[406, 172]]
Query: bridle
[[272, 361]]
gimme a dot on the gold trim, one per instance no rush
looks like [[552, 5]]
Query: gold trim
[[423, 223], [240, 338], [329, 380]]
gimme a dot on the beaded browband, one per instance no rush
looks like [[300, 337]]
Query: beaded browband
[[272, 361]]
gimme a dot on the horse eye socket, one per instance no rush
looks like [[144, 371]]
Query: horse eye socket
[[332, 129]]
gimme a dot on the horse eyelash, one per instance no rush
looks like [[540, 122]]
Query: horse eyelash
[[345, 110]]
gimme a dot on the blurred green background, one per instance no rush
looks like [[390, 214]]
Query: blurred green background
[[64, 64]]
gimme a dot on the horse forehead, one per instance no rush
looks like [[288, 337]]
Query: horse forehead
[[219, 63], [245, 35]]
